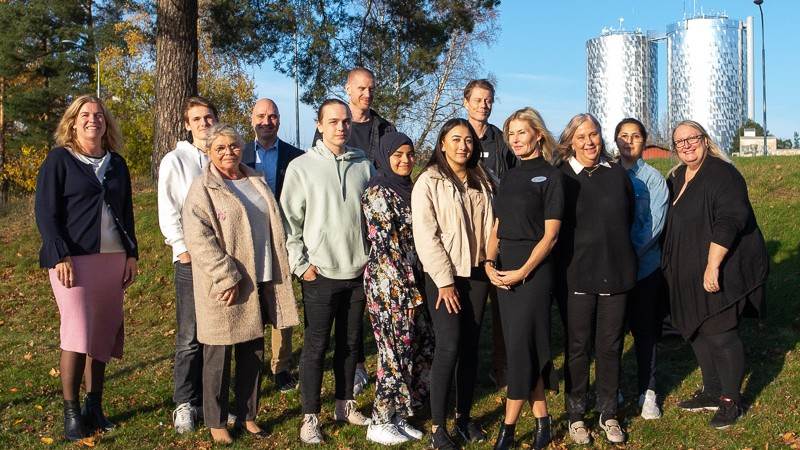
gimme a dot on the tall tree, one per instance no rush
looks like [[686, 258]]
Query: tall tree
[[176, 72]]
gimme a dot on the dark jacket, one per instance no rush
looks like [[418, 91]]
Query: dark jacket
[[69, 206], [286, 153], [714, 207], [380, 126], [496, 156]]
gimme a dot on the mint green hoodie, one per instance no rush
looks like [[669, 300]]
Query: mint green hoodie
[[321, 204]]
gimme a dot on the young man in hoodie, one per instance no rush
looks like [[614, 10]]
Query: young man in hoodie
[[175, 174], [321, 203]]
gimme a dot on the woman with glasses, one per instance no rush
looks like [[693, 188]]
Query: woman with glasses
[[234, 232], [597, 267], [646, 300], [715, 263]]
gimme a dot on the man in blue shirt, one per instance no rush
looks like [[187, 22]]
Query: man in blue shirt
[[270, 155]]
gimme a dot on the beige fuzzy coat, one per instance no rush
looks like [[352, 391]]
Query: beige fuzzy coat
[[218, 236]]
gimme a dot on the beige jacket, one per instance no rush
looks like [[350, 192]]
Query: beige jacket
[[440, 234], [218, 236]]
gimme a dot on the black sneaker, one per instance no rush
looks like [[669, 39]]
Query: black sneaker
[[469, 431], [728, 413], [700, 401], [441, 440], [285, 382]]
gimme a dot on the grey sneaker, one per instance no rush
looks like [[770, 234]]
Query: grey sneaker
[[579, 433], [360, 380], [649, 404], [183, 418], [310, 431], [347, 411], [614, 432]]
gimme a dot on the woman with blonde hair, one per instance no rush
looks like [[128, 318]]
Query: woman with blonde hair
[[528, 208], [715, 263], [84, 211], [597, 268]]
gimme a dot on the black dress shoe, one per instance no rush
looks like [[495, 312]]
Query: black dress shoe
[[285, 382], [440, 440], [73, 422], [505, 437], [543, 436], [241, 429], [92, 413]]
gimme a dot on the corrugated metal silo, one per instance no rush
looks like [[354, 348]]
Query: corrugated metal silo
[[622, 80], [707, 74]]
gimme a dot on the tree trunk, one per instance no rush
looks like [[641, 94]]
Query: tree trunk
[[176, 73], [4, 182]]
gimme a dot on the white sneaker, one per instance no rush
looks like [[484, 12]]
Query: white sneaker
[[310, 431], [649, 404], [579, 433], [347, 411], [386, 434], [183, 418], [406, 428], [360, 380], [614, 432]]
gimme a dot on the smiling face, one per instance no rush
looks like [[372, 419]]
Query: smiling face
[[630, 142], [587, 143], [360, 89], [479, 104], [523, 139], [401, 160], [225, 152], [266, 121], [199, 120], [457, 147], [690, 145], [90, 124], [334, 126]]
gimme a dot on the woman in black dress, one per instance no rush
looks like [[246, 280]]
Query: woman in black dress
[[715, 262], [528, 208], [597, 266]]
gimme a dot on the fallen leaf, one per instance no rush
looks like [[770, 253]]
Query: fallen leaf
[[54, 372], [47, 440], [39, 407], [13, 390], [18, 421], [28, 356]]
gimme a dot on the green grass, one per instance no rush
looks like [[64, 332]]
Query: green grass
[[139, 387]]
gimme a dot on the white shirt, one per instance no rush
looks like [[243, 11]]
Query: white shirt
[[175, 175]]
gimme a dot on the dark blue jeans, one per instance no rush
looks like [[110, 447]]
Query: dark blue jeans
[[188, 374]]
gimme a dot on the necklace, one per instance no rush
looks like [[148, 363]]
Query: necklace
[[589, 171]]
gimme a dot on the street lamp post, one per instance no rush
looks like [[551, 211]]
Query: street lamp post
[[763, 73]]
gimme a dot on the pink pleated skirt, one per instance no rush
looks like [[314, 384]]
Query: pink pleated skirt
[[91, 310]]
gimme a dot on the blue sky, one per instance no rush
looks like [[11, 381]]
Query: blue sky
[[539, 57]]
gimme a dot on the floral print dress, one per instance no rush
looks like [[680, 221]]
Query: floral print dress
[[391, 282]]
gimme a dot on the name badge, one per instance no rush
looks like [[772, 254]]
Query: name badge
[[539, 179], [484, 155]]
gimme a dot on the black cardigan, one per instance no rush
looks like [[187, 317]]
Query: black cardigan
[[69, 205], [594, 247], [714, 207]]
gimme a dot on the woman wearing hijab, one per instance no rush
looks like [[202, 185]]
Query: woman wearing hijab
[[391, 282]]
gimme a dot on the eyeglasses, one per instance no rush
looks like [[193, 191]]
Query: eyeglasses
[[231, 149], [683, 143], [631, 137]]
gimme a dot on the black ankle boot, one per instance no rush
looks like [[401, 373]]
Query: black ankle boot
[[73, 422], [543, 436], [505, 437], [93, 415], [441, 440]]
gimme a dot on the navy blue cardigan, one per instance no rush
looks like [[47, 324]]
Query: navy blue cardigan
[[69, 205]]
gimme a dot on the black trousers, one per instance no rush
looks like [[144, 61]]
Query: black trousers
[[328, 303], [645, 314], [605, 315], [456, 349], [721, 358], [217, 379]]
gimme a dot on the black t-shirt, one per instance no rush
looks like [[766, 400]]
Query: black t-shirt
[[360, 136], [495, 154], [529, 194]]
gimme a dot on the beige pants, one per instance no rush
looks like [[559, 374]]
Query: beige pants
[[281, 343]]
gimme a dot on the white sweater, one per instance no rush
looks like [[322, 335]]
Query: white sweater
[[175, 174]]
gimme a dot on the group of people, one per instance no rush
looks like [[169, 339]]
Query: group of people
[[510, 216]]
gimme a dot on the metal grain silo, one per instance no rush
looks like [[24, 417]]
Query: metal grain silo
[[707, 74], [622, 80]]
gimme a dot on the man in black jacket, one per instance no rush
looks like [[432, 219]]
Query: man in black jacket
[[271, 156], [367, 126]]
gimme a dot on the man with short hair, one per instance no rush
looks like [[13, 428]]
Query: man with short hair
[[271, 156], [367, 126], [175, 174], [498, 159]]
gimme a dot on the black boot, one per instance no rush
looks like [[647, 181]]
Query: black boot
[[93, 415], [73, 422], [441, 440], [543, 436], [505, 437]]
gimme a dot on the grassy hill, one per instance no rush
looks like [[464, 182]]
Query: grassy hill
[[139, 387]]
